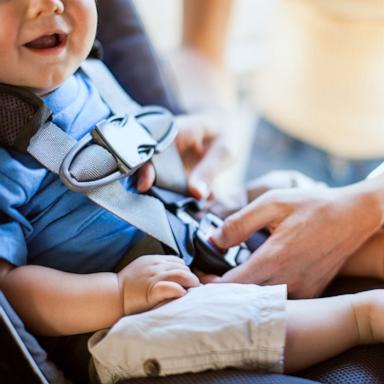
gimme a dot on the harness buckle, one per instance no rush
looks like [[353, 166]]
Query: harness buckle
[[128, 142], [200, 224]]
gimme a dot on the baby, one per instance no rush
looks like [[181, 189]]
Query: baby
[[59, 250]]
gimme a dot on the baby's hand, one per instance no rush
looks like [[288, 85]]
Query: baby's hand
[[151, 280], [146, 177]]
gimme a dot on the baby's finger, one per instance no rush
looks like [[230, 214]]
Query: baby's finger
[[169, 266], [146, 177], [170, 259]]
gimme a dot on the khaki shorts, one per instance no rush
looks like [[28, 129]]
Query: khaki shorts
[[212, 327]]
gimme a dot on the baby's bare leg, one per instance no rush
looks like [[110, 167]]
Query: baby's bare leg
[[368, 261], [318, 329]]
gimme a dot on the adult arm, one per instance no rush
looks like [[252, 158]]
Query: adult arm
[[130, 55], [313, 232], [205, 27]]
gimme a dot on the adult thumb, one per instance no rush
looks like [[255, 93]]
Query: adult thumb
[[239, 226], [208, 168]]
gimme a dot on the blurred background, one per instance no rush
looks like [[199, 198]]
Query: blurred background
[[244, 54], [303, 80], [250, 18]]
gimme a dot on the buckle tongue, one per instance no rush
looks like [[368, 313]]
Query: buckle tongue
[[127, 140]]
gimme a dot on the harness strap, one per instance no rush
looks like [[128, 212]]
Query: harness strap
[[115, 148], [169, 167], [50, 146]]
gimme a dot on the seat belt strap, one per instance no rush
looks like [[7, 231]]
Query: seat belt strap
[[50, 145], [110, 90], [169, 167]]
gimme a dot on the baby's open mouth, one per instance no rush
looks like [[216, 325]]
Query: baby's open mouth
[[48, 41]]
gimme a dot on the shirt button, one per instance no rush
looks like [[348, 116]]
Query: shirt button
[[151, 368]]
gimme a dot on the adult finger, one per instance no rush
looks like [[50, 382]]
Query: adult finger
[[242, 224], [207, 169], [261, 265], [307, 282], [206, 278]]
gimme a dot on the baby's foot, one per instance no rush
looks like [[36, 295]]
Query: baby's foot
[[369, 313]]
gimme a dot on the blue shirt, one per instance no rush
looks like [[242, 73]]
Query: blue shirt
[[42, 222]]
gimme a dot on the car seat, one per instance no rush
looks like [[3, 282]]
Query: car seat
[[25, 358]]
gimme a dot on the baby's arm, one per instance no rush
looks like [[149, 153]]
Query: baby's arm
[[368, 260], [53, 302], [318, 329]]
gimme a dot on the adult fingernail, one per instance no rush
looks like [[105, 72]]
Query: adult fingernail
[[216, 238], [213, 241]]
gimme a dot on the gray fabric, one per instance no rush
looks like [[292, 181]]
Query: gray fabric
[[360, 365], [14, 116], [169, 171], [22, 113], [229, 376], [50, 146], [169, 168], [110, 90], [144, 212], [99, 162]]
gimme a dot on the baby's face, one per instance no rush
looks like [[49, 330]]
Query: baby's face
[[42, 42]]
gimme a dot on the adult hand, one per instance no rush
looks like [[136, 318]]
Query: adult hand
[[278, 179], [368, 260], [312, 233], [205, 150]]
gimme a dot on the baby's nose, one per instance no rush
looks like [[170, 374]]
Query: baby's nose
[[44, 7]]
